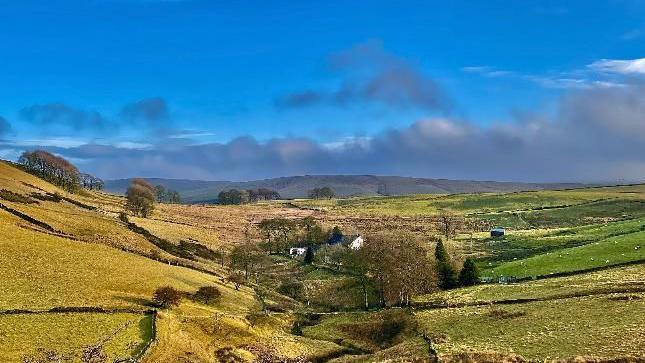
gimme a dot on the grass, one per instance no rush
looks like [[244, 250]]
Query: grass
[[527, 243], [366, 332], [620, 279], [22, 334], [177, 232], [480, 203], [41, 271], [92, 268], [611, 251], [596, 326], [601, 211], [194, 332]]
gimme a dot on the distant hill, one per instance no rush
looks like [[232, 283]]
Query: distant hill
[[199, 191]]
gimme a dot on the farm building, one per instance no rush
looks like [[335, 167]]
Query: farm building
[[497, 232], [297, 251], [354, 242]]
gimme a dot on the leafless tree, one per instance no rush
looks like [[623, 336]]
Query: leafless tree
[[449, 224]]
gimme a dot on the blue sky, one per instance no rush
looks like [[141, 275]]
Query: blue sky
[[160, 83]]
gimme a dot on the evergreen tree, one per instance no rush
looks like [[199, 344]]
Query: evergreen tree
[[440, 252], [447, 274], [309, 255], [469, 274]]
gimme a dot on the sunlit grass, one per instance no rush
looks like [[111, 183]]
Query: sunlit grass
[[596, 326], [122, 334]]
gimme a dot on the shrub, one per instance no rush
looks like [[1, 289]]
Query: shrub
[[228, 355], [309, 256], [292, 288], [497, 313], [208, 294], [167, 296]]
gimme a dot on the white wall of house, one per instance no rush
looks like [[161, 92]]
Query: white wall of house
[[357, 244], [297, 251]]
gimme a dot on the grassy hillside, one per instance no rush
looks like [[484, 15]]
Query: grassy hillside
[[478, 323], [544, 329], [74, 275]]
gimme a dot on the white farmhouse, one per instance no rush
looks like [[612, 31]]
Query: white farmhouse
[[297, 251]]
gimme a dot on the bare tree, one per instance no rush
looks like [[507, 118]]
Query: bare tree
[[398, 264], [449, 224]]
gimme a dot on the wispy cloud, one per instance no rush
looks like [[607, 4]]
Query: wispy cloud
[[633, 34], [5, 126], [625, 67], [595, 75], [488, 71]]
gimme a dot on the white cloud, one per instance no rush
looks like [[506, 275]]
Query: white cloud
[[628, 66]]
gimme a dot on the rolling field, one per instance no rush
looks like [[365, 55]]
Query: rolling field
[[629, 279], [73, 252], [59, 256], [586, 326], [611, 251], [482, 203], [123, 334]]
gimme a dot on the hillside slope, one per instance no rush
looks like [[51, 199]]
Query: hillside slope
[[74, 275], [344, 185]]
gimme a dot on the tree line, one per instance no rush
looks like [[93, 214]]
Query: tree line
[[164, 195], [236, 196], [322, 193], [58, 171]]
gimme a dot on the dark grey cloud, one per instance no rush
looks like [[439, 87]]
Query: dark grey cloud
[[146, 116], [5, 126], [369, 74], [596, 136], [151, 110], [58, 114]]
